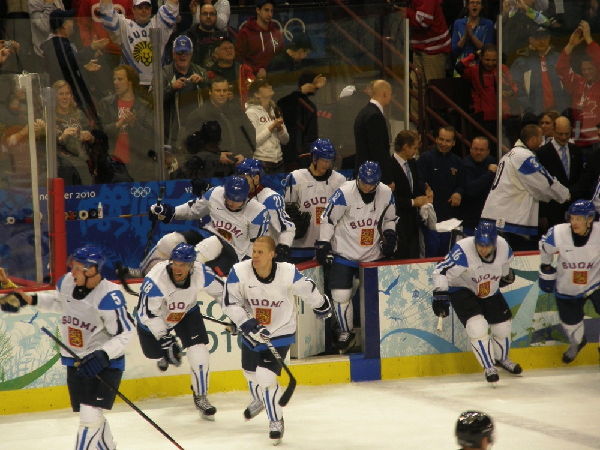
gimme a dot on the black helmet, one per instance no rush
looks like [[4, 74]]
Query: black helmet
[[472, 427]]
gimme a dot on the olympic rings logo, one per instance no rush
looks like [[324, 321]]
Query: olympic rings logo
[[140, 191], [289, 35]]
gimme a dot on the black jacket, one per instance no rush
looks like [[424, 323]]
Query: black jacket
[[371, 136]]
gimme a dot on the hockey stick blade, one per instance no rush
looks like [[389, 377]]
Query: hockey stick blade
[[114, 389], [120, 271]]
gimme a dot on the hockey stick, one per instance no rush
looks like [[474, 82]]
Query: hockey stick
[[121, 271], [289, 390], [114, 389], [159, 199], [439, 324]]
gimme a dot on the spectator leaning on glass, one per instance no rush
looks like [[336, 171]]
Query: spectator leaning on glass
[[472, 32]]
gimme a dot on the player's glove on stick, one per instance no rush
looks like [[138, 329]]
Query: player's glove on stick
[[12, 302], [199, 187], [324, 311], [171, 349], [300, 218], [255, 331], [441, 304], [163, 212], [508, 279], [324, 253], [547, 280], [388, 243], [93, 363], [282, 253]]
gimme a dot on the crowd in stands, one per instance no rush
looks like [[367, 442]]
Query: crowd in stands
[[249, 91]]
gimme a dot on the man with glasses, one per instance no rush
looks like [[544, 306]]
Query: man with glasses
[[205, 36]]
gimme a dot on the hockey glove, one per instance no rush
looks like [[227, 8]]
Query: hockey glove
[[324, 253], [508, 279], [199, 187], [388, 243], [256, 332], [12, 302], [93, 363], [282, 253], [171, 349], [441, 304], [547, 280], [301, 219], [163, 212], [324, 311]]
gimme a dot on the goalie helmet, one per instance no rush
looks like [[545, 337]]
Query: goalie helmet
[[486, 234], [89, 256], [369, 173], [249, 166], [183, 252], [581, 208], [322, 149], [472, 427], [236, 189]]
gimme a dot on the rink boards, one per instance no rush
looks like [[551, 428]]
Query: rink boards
[[399, 339]]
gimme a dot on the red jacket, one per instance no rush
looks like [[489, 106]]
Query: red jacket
[[428, 29], [585, 97], [90, 26], [257, 47]]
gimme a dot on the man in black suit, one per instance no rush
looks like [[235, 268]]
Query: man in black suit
[[563, 160], [371, 131], [410, 193]]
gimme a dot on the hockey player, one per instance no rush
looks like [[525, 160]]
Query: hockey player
[[576, 277], [470, 278], [134, 35], [236, 219], [259, 298], [358, 225], [97, 328], [168, 302], [306, 195], [281, 228], [474, 431]]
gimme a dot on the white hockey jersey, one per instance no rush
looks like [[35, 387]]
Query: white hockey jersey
[[281, 228], [464, 268], [272, 304], [352, 226], [239, 228], [162, 305], [99, 321], [521, 183], [311, 195], [134, 39], [596, 197], [577, 268]]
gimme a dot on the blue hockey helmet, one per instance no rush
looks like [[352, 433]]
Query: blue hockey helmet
[[236, 188], [322, 148], [183, 252], [369, 172], [486, 233], [89, 255], [581, 208], [472, 427], [249, 166]]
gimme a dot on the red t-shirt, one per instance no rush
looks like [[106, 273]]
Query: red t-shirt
[[122, 143]]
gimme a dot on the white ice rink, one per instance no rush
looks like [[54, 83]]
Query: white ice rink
[[554, 409]]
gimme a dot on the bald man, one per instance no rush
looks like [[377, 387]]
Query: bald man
[[564, 161], [371, 128]]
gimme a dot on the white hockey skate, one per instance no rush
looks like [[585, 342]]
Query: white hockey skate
[[206, 409], [276, 429], [510, 366], [491, 375], [345, 341], [253, 409], [573, 350]]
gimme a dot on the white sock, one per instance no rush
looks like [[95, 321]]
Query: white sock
[[198, 357]]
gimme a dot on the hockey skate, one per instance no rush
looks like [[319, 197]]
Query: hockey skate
[[345, 341], [206, 409], [253, 409], [571, 353], [509, 366], [276, 431], [491, 375]]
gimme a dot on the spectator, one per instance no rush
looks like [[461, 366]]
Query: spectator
[[564, 161], [39, 13], [61, 61], [7, 49], [270, 129], [479, 172], [538, 85], [223, 63], [483, 77], [18, 29], [472, 32], [300, 118], [134, 35], [126, 119], [409, 191], [237, 131], [287, 65], [205, 36], [184, 81], [371, 128], [521, 183], [546, 123], [430, 37], [441, 169], [223, 11], [584, 88], [520, 20], [72, 134], [260, 39]]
